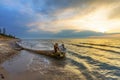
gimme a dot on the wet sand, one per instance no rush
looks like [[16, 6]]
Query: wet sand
[[30, 66], [8, 48]]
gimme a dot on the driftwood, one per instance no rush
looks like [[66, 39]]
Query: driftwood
[[50, 53]]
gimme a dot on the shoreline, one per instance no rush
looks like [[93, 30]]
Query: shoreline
[[8, 48]]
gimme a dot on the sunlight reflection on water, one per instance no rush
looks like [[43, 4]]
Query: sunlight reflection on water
[[86, 59]]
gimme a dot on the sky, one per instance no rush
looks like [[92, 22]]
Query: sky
[[60, 18]]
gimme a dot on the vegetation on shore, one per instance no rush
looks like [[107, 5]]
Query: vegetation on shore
[[4, 35], [7, 45]]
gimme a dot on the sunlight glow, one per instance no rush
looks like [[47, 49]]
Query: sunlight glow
[[97, 20], [103, 30]]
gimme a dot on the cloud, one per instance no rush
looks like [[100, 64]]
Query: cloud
[[13, 21], [73, 14], [51, 6], [116, 13], [77, 34], [54, 16], [66, 34]]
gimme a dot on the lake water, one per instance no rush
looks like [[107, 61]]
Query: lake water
[[86, 59]]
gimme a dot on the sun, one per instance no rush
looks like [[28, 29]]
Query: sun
[[102, 30]]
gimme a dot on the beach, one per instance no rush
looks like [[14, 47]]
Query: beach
[[8, 48], [86, 59]]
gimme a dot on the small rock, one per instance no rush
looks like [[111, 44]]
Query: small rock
[[2, 76]]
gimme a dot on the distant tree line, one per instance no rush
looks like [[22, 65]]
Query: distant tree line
[[4, 33]]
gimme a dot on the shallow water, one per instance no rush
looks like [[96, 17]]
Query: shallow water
[[86, 59]]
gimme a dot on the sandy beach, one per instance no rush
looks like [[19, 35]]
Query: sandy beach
[[8, 48]]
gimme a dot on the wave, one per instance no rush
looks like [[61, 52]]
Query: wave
[[112, 51], [94, 74], [102, 45], [93, 61]]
